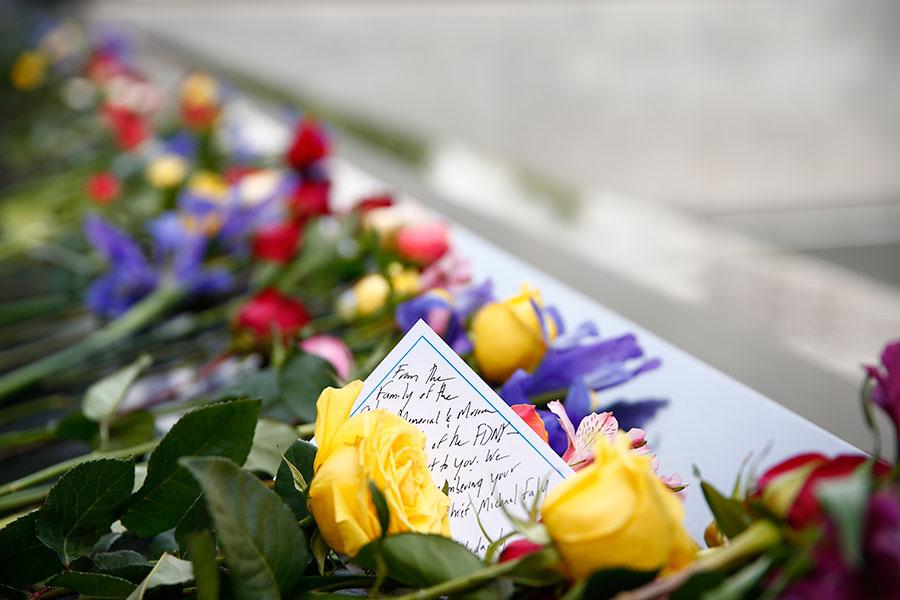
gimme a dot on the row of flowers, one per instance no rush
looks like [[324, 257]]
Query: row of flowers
[[246, 260]]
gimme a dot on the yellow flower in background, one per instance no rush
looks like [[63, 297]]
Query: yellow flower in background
[[616, 513], [374, 446], [370, 293], [29, 70], [209, 185], [404, 281], [200, 89], [512, 334], [166, 171]]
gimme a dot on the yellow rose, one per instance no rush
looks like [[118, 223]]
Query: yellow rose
[[167, 171], [616, 513], [28, 71], [374, 446], [370, 293], [200, 89], [404, 281], [210, 186], [511, 335]]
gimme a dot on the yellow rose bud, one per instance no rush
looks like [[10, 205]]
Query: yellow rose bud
[[378, 447], [371, 293], [29, 70], [404, 281], [200, 89], [511, 335], [167, 171], [616, 513], [209, 185]]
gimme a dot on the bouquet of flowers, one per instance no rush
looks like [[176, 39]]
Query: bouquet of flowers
[[217, 306]]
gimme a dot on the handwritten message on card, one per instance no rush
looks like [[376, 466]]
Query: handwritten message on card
[[476, 444]]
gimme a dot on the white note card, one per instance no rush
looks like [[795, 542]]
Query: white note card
[[487, 455]]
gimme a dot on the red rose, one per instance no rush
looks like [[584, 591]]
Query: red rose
[[424, 243], [805, 509], [102, 187], [129, 128], [199, 116], [518, 549], [270, 311], [309, 146], [371, 203], [278, 242], [311, 199]]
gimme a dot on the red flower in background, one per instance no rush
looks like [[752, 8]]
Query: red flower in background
[[271, 311], [886, 391], [278, 242], [371, 203], [805, 507], [309, 146], [129, 128], [424, 243], [103, 187], [311, 199]]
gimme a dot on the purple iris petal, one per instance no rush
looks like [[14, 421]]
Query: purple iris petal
[[635, 413], [556, 437], [115, 245], [114, 293], [554, 314], [183, 144], [470, 299], [578, 402]]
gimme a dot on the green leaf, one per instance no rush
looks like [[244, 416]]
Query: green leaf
[[301, 380], [729, 513], [103, 398], [168, 571], [126, 564], [262, 385], [381, 508], [24, 559], [301, 456], [206, 572], [224, 429], [845, 500], [196, 519], [421, 560], [264, 547], [329, 583], [93, 585], [82, 505], [609, 582], [739, 585], [270, 441], [127, 430]]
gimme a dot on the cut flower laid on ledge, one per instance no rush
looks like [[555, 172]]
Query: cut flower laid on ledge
[[193, 309]]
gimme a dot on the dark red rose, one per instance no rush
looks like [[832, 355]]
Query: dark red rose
[[271, 311], [371, 203], [518, 549], [805, 509], [199, 116], [103, 187], [311, 199], [309, 146], [277, 242]]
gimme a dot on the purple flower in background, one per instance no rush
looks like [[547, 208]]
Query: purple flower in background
[[445, 313], [886, 392], [177, 258]]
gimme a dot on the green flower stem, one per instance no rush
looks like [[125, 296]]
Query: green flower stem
[[23, 498], [60, 468], [753, 541], [469, 581], [28, 436], [140, 315], [37, 406]]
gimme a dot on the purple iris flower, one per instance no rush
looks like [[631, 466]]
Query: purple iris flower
[[183, 143], [576, 364], [445, 313], [177, 258]]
